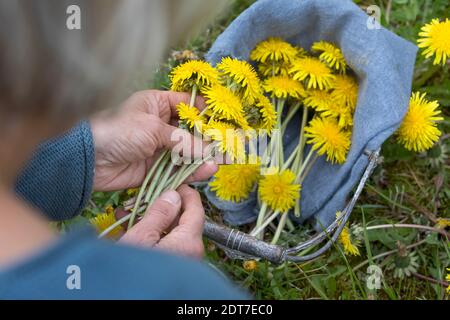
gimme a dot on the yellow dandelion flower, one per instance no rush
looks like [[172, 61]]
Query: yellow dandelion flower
[[323, 102], [318, 99], [283, 87], [103, 221], [189, 115], [234, 182], [443, 223], [109, 209], [301, 53], [184, 55], [242, 74], [331, 55], [279, 190], [313, 71], [281, 67], [346, 240], [132, 192], [274, 69], [345, 91], [328, 138], [418, 130], [193, 72], [230, 140], [250, 265], [268, 114], [343, 116], [435, 37], [225, 105], [273, 49]]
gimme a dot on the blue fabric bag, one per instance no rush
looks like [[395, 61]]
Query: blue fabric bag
[[383, 64]]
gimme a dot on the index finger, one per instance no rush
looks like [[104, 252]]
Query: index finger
[[193, 216]]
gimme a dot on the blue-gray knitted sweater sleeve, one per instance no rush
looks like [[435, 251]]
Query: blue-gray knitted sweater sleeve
[[58, 179]]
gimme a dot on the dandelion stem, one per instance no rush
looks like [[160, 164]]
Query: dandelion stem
[[280, 228], [280, 136], [162, 182], [308, 168], [304, 164], [114, 225], [290, 225], [155, 179], [301, 141], [193, 95], [291, 158], [289, 116], [297, 208], [256, 232], [185, 171], [142, 189], [261, 215]]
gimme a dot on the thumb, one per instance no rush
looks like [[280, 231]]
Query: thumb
[[158, 218]]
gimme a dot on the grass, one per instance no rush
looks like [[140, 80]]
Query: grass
[[408, 189]]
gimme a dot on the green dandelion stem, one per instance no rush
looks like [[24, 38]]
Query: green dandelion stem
[[155, 179], [304, 164], [193, 95], [291, 158], [301, 141], [120, 221], [172, 178], [272, 155], [185, 172], [280, 228], [114, 225], [289, 116], [261, 215], [308, 168], [297, 212], [279, 149], [302, 176], [290, 225], [143, 187], [256, 232], [162, 182]]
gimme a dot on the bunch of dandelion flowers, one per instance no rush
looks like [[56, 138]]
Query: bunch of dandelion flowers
[[281, 87], [225, 88], [191, 76], [278, 178], [224, 108]]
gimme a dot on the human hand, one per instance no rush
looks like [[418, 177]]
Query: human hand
[[163, 226], [128, 142]]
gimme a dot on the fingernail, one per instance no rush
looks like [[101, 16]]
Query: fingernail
[[211, 162], [171, 197]]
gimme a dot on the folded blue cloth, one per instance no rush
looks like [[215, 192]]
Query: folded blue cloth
[[383, 64]]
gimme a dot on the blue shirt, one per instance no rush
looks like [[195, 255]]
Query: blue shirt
[[79, 266]]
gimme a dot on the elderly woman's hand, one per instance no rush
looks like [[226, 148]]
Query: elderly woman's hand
[[127, 143], [173, 223]]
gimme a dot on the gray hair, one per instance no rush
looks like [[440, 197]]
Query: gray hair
[[61, 74]]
